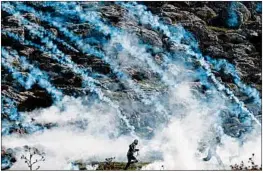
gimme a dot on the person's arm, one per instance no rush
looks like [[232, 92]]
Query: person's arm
[[133, 148]]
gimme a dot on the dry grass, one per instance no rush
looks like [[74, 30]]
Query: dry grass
[[120, 166], [218, 29]]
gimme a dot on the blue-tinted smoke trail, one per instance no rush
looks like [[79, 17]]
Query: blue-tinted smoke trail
[[6, 126], [67, 62], [34, 76], [119, 74], [209, 73], [94, 19], [6, 162], [232, 20], [10, 9], [147, 18], [240, 105], [159, 107], [15, 120], [9, 108], [52, 20], [259, 7], [118, 35], [42, 34], [85, 48], [230, 69], [27, 81]]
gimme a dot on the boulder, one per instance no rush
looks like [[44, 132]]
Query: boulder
[[205, 13], [113, 13], [150, 37], [235, 15]]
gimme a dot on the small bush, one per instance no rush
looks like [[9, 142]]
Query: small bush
[[250, 167], [33, 153]]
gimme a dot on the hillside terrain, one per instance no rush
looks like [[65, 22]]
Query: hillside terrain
[[120, 54]]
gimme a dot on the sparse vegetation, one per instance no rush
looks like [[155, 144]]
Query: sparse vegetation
[[250, 167], [33, 152], [110, 165], [121, 166], [218, 29]]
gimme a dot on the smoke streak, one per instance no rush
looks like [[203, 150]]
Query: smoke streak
[[232, 20], [147, 18], [115, 69], [230, 69], [91, 129]]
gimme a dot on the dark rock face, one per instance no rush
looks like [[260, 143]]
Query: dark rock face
[[239, 43], [41, 99], [218, 40]]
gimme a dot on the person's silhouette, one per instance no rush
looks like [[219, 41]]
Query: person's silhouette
[[130, 154]]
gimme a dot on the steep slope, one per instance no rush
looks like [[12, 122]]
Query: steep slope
[[135, 68]]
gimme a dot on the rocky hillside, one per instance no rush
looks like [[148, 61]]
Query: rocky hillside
[[208, 21], [54, 49], [224, 30]]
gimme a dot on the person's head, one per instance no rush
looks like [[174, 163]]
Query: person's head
[[136, 141]]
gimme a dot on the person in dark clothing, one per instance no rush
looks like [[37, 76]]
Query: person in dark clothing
[[130, 154]]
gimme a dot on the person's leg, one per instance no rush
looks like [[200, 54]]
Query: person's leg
[[128, 163], [134, 160]]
